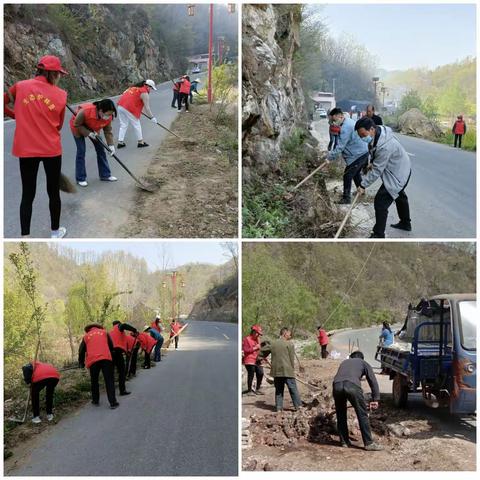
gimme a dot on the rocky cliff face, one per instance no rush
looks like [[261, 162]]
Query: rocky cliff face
[[273, 101], [219, 305], [103, 47]]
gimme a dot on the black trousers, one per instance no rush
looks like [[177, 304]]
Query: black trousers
[[176, 341], [183, 97], [106, 367], [252, 371], [49, 384], [324, 351], [348, 391], [175, 99], [119, 365], [29, 171], [382, 203], [146, 362], [458, 136], [132, 361], [353, 172]]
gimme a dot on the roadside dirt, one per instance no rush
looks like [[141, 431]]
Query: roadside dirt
[[306, 439], [197, 179]]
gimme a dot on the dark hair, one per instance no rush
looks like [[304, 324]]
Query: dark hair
[[371, 105], [106, 105], [187, 77], [319, 327], [365, 122], [283, 330], [50, 75], [116, 322], [140, 84], [387, 326], [335, 111], [357, 354]]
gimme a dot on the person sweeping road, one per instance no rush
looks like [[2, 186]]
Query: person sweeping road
[[119, 340], [39, 112], [353, 150], [156, 332], [183, 93], [391, 163], [132, 103], [322, 341], [176, 93], [95, 353], [147, 343], [175, 327], [89, 120], [132, 354], [41, 376]]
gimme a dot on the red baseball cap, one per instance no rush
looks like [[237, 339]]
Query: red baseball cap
[[258, 329], [51, 63]]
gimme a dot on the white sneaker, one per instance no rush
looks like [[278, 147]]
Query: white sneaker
[[50, 417], [36, 420], [84, 183], [60, 233], [109, 179]]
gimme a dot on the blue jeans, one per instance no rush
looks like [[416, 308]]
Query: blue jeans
[[280, 383], [158, 350], [80, 170]]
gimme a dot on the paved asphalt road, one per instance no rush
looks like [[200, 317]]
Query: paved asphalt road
[[464, 427], [181, 418], [99, 209]]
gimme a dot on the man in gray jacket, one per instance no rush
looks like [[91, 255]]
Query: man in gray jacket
[[391, 163], [353, 150]]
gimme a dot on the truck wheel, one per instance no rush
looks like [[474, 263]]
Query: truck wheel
[[400, 391]]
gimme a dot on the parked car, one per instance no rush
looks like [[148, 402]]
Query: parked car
[[322, 113], [196, 70]]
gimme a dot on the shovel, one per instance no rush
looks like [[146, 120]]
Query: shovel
[[147, 188], [165, 128], [321, 167], [347, 215], [22, 420]]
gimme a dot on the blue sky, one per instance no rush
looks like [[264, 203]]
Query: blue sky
[[180, 252], [407, 36]]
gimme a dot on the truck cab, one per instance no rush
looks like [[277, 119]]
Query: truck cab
[[435, 353]]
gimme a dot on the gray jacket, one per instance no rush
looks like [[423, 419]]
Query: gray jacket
[[390, 162]]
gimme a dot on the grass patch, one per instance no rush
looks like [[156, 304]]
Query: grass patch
[[310, 351], [469, 140]]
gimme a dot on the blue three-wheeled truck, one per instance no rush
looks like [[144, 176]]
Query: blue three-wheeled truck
[[435, 353]]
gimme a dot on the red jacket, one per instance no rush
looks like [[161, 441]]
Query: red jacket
[[39, 114], [91, 119], [249, 355], [97, 346], [335, 129], [42, 371], [322, 337], [185, 87], [459, 128], [146, 341], [119, 339], [131, 101], [131, 341], [6, 109], [156, 325], [176, 86]]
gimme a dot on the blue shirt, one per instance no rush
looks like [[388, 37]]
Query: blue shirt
[[349, 144], [387, 336], [153, 333]]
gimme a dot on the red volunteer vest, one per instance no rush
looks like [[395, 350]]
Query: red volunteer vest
[[131, 101], [459, 127], [185, 87], [91, 119], [146, 342], [322, 337], [97, 346], [119, 339], [42, 371], [131, 341], [249, 357], [156, 327], [39, 113]]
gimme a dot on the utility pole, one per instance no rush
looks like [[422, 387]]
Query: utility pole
[[210, 54], [174, 294]]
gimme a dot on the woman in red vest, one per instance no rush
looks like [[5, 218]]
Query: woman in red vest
[[95, 353], [250, 350], [323, 341], [157, 357], [459, 129], [119, 340], [184, 92], [39, 111], [176, 90], [130, 106], [146, 344], [88, 121], [175, 328], [39, 376]]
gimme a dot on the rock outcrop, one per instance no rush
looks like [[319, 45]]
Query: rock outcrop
[[103, 48], [273, 100], [414, 122]]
